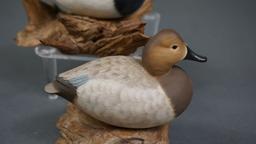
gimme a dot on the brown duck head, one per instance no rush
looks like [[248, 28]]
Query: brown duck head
[[160, 55]]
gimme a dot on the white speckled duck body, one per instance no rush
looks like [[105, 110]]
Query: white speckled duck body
[[105, 9], [119, 91]]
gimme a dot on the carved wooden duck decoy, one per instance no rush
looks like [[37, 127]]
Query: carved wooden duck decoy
[[124, 92], [106, 9]]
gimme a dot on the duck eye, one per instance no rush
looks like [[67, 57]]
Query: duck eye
[[174, 47]]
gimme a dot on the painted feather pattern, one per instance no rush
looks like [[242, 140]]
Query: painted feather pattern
[[119, 91]]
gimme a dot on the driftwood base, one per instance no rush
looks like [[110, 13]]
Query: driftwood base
[[74, 34], [77, 128]]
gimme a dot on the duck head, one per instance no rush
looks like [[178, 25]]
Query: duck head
[[162, 52], [166, 49]]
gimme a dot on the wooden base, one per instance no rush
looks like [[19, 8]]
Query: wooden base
[[78, 128], [74, 34]]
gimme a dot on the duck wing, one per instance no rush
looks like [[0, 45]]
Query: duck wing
[[121, 69]]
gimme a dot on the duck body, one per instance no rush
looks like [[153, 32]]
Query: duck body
[[119, 91], [125, 92], [105, 9]]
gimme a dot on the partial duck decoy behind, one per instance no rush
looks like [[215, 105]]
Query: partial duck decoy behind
[[124, 92], [105, 9]]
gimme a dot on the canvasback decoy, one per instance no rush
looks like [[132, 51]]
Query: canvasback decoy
[[129, 93], [105, 9]]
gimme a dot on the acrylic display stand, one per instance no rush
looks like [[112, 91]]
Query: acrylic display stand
[[50, 55]]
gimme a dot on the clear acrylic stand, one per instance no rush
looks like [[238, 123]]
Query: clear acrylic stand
[[51, 57]]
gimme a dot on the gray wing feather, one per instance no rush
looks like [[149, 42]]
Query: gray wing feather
[[79, 81], [76, 81], [122, 69]]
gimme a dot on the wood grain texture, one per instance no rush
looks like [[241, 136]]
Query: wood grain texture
[[73, 34], [78, 128]]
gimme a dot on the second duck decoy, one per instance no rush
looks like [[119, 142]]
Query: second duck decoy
[[104, 9]]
